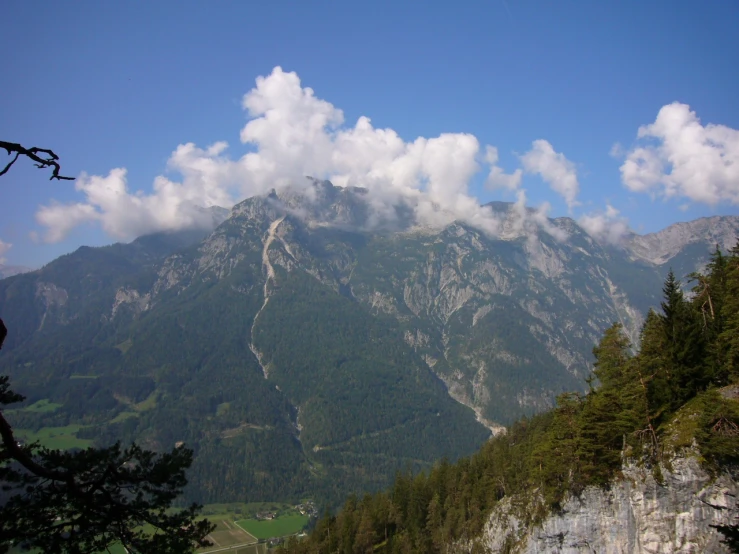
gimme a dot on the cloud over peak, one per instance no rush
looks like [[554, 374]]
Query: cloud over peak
[[291, 133], [606, 226]]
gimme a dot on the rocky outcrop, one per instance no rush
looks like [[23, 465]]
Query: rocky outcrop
[[52, 297], [132, 298], [637, 515]]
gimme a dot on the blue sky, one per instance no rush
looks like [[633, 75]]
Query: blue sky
[[553, 86]]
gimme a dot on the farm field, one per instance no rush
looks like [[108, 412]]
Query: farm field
[[242, 510], [235, 537], [279, 527], [61, 438], [227, 535]]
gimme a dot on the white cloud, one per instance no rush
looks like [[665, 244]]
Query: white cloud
[[541, 218], [678, 157], [124, 215], [606, 226], [4, 247], [554, 168], [292, 134], [497, 178], [523, 221]]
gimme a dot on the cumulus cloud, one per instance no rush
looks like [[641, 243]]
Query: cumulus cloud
[[497, 178], [122, 214], [678, 157], [605, 226], [554, 168], [291, 134], [4, 247]]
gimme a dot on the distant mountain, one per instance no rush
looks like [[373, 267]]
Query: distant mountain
[[685, 246], [301, 350], [10, 270]]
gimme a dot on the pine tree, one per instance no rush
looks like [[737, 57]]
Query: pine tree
[[685, 344], [651, 370], [85, 501], [708, 300], [728, 339], [610, 411], [557, 459], [366, 536]]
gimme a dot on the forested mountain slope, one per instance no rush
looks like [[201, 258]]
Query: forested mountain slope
[[300, 348], [646, 461]]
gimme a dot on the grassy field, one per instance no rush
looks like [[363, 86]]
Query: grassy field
[[115, 549], [148, 403], [61, 438], [42, 406], [241, 510], [227, 534], [279, 527], [123, 416], [232, 537]]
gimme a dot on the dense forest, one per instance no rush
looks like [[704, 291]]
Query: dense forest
[[678, 389]]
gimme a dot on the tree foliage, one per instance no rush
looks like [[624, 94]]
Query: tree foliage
[[84, 501]]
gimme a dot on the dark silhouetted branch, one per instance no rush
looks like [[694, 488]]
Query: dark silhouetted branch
[[51, 161]]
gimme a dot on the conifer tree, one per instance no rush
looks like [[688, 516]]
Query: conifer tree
[[728, 339], [611, 410], [85, 501], [557, 459], [651, 370], [709, 294], [684, 343]]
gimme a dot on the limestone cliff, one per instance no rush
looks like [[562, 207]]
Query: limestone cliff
[[638, 515]]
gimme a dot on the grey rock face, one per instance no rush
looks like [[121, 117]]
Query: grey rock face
[[636, 516], [659, 248]]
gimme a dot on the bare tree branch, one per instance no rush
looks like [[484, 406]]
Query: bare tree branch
[[51, 161]]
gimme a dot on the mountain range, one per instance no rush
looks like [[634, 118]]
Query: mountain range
[[301, 349]]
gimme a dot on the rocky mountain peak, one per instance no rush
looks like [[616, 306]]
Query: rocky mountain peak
[[660, 247]]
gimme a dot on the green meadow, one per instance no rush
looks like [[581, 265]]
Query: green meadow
[[278, 527], [55, 438]]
